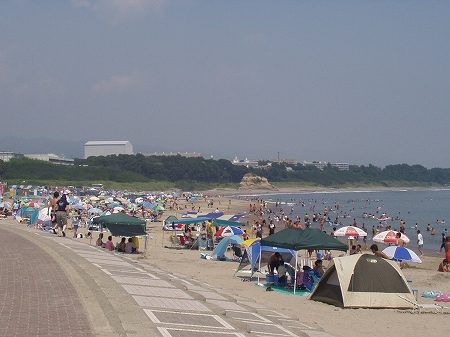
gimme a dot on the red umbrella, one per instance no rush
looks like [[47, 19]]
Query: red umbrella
[[350, 231]]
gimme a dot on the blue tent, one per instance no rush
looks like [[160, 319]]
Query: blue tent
[[256, 252], [223, 245], [212, 215], [236, 217]]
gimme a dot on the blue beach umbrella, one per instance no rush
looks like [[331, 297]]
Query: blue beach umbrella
[[398, 253]]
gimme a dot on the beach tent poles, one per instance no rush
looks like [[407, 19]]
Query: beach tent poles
[[295, 273]]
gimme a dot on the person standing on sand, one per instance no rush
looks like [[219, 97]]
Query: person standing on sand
[[447, 248], [399, 241], [420, 242]]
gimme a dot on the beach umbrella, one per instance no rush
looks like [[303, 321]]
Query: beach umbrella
[[146, 204], [229, 231], [398, 253], [94, 210], [94, 198], [389, 237], [350, 231], [78, 206]]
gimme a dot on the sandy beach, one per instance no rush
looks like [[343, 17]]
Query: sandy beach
[[334, 320]]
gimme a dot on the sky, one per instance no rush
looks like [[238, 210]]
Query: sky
[[358, 82]]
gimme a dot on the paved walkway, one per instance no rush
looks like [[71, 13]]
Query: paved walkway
[[62, 287]]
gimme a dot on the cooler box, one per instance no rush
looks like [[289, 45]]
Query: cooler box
[[275, 280], [270, 278]]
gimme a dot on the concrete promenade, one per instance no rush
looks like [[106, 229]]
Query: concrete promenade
[[52, 286]]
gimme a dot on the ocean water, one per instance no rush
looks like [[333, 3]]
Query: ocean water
[[421, 207]]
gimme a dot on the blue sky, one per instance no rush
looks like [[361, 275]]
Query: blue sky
[[363, 82]]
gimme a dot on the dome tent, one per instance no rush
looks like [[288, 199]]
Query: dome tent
[[363, 281]]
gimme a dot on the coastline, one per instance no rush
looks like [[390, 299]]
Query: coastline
[[312, 189]]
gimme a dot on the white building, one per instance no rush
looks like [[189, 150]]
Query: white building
[[322, 164], [7, 155], [106, 148], [245, 162], [52, 158]]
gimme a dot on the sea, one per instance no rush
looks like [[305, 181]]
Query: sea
[[415, 207]]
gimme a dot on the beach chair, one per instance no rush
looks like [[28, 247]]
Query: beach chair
[[421, 307]]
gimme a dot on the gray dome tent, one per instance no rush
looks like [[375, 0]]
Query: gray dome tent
[[363, 281]]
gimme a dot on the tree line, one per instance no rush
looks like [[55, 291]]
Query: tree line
[[187, 172]]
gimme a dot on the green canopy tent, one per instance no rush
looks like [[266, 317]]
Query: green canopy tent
[[298, 239], [120, 224]]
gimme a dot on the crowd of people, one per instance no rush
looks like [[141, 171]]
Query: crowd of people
[[124, 246], [58, 208]]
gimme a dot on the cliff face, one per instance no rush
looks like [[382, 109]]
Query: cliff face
[[253, 182]]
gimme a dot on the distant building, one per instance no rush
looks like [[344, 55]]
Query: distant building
[[182, 154], [52, 158], [290, 161], [245, 162], [321, 164], [7, 155], [106, 148], [341, 166]]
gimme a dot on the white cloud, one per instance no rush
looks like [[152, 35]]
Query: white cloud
[[115, 84]]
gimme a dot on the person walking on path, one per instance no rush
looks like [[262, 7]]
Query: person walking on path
[[62, 214], [52, 209], [420, 242]]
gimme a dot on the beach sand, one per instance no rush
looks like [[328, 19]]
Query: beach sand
[[334, 320], [337, 321]]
